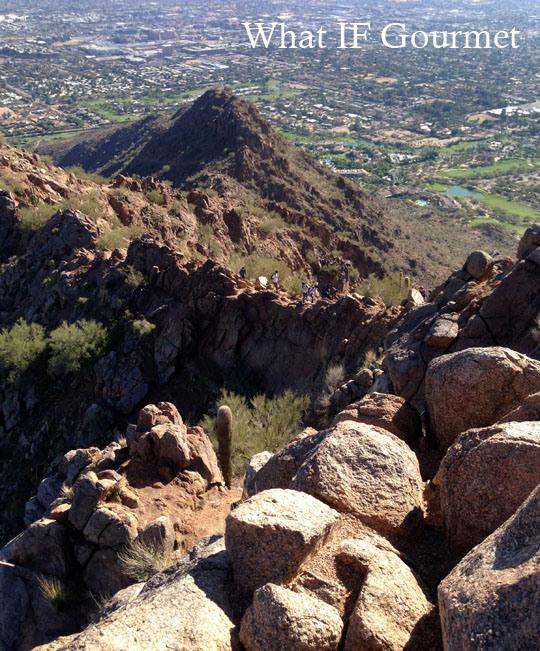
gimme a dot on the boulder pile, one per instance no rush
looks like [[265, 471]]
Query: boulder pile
[[411, 522], [90, 509]]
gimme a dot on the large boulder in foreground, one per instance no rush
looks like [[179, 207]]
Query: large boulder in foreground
[[281, 619], [475, 388], [484, 478], [271, 534], [366, 471], [186, 609], [385, 410], [490, 599], [392, 609]]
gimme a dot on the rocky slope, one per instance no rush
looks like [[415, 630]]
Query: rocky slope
[[373, 532], [176, 329], [223, 143]]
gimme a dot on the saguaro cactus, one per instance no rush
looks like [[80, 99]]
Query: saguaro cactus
[[224, 425]]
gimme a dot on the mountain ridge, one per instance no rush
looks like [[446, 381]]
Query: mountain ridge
[[221, 142]]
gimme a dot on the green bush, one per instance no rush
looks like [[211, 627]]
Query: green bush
[[118, 237], [20, 346], [155, 196], [80, 173], [35, 217], [392, 289], [259, 424], [143, 327], [88, 203], [272, 223], [134, 278], [73, 345], [206, 236]]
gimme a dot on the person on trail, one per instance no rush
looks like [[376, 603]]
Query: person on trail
[[275, 279], [305, 292], [311, 293], [243, 273]]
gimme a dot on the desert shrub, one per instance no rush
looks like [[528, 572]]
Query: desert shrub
[[205, 235], [80, 173], [143, 327], [272, 223], [134, 278], [118, 237], [371, 358], [58, 593], [10, 182], [35, 217], [88, 203], [261, 423], [155, 196], [21, 346], [392, 289], [73, 345], [335, 377], [142, 560]]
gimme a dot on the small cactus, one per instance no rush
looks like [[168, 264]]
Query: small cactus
[[224, 424], [408, 282]]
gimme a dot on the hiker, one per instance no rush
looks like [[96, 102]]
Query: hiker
[[275, 279], [311, 293], [243, 273], [305, 292]]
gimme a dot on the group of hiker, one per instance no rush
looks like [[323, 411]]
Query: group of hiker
[[310, 292]]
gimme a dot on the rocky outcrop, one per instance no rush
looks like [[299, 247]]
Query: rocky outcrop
[[497, 309], [392, 604], [489, 600], [96, 505], [189, 312], [476, 387], [188, 609], [367, 471], [484, 478], [281, 619], [387, 411], [270, 535]]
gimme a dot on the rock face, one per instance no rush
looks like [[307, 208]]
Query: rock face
[[272, 533], [281, 619], [187, 609], [366, 471], [498, 309], [392, 603], [485, 476], [387, 411], [490, 600], [476, 387], [86, 513]]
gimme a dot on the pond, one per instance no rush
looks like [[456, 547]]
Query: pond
[[459, 192]]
